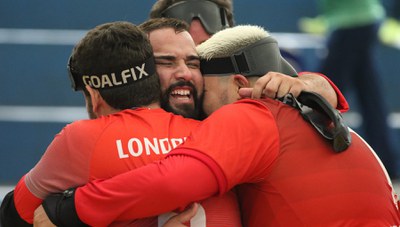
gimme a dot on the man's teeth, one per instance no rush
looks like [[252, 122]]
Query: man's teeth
[[180, 92]]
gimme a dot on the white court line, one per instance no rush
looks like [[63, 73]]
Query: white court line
[[31, 36], [4, 189], [62, 114], [71, 37], [67, 114], [40, 36]]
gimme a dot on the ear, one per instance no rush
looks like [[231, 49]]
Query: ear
[[95, 97], [241, 81]]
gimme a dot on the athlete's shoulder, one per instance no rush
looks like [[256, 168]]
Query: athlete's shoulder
[[82, 129], [245, 106], [266, 103], [85, 124], [178, 119], [157, 114]]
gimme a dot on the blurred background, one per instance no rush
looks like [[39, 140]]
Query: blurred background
[[36, 38]]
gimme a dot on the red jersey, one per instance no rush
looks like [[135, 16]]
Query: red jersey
[[288, 174], [96, 149], [292, 175]]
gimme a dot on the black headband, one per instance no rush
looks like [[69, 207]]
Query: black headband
[[254, 60], [116, 78], [212, 17]]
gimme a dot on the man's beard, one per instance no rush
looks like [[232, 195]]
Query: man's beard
[[185, 110]]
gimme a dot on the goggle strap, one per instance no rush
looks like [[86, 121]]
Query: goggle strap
[[236, 64], [320, 114]]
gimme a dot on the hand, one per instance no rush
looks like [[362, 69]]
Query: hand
[[274, 85], [40, 218], [179, 219]]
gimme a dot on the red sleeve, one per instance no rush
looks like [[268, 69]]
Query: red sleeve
[[147, 191], [25, 202], [342, 105], [61, 167], [245, 132], [65, 163], [242, 138]]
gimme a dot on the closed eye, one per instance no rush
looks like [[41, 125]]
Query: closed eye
[[193, 65], [164, 63]]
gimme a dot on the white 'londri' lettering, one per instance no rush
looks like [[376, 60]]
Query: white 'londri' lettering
[[135, 147]]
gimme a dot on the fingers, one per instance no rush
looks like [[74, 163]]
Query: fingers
[[276, 85], [295, 91], [183, 217], [293, 85], [245, 92], [40, 218], [260, 85], [188, 213], [275, 88]]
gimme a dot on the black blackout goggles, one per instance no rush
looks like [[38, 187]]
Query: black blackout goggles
[[254, 60], [264, 56], [210, 14], [323, 117], [116, 78]]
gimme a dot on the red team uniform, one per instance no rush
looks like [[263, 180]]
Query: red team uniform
[[289, 174], [96, 149]]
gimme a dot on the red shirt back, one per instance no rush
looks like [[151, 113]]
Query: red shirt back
[[289, 174], [102, 148]]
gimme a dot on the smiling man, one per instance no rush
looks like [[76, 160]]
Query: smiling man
[[178, 67], [282, 166]]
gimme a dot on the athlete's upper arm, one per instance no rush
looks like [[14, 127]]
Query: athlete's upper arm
[[64, 164], [241, 138], [58, 169]]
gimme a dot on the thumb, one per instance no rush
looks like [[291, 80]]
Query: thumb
[[180, 219], [189, 213], [245, 92]]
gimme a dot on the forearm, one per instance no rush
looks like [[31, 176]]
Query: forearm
[[320, 84], [148, 191]]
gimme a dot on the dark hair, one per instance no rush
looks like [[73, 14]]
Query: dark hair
[[163, 22], [160, 5], [117, 45]]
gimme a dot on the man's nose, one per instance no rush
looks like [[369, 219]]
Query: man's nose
[[183, 72]]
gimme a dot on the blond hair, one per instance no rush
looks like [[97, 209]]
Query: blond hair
[[230, 40]]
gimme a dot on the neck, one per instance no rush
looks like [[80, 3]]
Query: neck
[[153, 105], [110, 110], [106, 111]]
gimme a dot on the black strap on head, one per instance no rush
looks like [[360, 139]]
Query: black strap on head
[[264, 56], [117, 78], [212, 17], [323, 117], [254, 60]]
